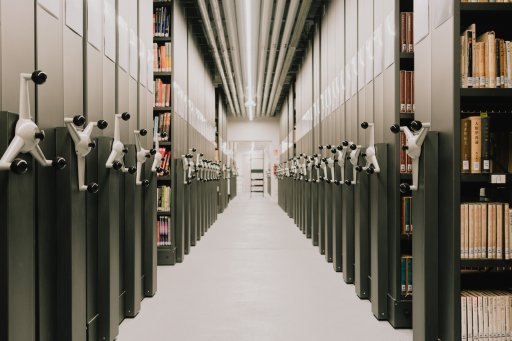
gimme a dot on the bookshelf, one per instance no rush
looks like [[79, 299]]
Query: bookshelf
[[400, 297], [163, 116], [444, 107]]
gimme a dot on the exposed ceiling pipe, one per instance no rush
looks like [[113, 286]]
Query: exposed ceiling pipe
[[224, 49], [248, 13], [276, 30], [299, 27], [266, 15], [288, 26], [229, 13], [213, 44]]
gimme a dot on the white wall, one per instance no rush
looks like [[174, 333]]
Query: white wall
[[263, 129]]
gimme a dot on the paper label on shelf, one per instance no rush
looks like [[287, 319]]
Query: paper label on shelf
[[75, 16], [465, 165], [51, 6], [421, 20]]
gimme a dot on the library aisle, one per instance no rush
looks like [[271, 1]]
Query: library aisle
[[255, 277]]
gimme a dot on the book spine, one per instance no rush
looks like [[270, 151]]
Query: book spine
[[403, 46], [408, 102], [465, 145], [486, 143], [410, 45], [402, 91], [476, 138]]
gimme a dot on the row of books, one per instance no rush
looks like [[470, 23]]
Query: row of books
[[406, 275], [407, 103], [166, 161], [475, 144], [405, 160], [162, 93], [163, 122], [485, 231], [163, 228], [162, 57], [163, 195], [406, 32], [486, 61], [486, 315], [406, 216], [161, 22]]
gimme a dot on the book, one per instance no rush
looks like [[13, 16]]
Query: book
[[486, 143], [409, 31], [402, 91], [465, 143], [476, 138], [403, 31]]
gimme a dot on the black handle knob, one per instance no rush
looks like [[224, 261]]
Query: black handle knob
[[145, 183], [79, 120], [39, 135], [405, 147], [102, 124], [328, 146], [359, 168], [19, 166], [405, 188], [125, 116], [345, 143], [194, 150], [364, 125], [363, 154], [348, 182], [336, 182], [143, 132], [92, 145], [125, 150], [163, 134], [132, 170], [353, 146], [117, 165], [59, 163], [320, 147], [370, 170], [395, 128], [416, 125], [93, 188], [39, 77], [333, 150], [152, 151]]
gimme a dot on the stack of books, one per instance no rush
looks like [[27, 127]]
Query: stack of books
[[486, 315], [485, 60], [406, 275], [406, 32], [485, 231], [161, 22], [163, 194], [162, 93], [162, 61], [163, 227]]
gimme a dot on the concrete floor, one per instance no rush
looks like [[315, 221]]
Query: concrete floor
[[255, 277]]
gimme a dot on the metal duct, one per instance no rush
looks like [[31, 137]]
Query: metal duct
[[229, 13], [211, 39], [276, 30], [290, 20], [266, 15], [223, 47], [299, 26]]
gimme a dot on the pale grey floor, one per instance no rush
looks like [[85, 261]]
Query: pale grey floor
[[255, 277]]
